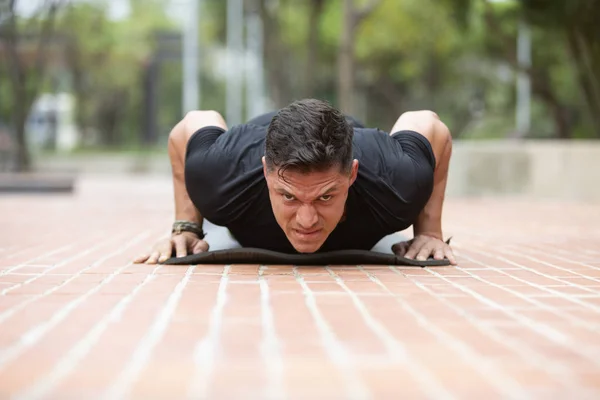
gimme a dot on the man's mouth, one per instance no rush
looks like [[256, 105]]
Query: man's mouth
[[307, 234]]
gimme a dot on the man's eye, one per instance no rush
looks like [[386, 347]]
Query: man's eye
[[288, 197], [326, 197]]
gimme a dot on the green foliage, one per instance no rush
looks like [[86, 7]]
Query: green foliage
[[107, 59], [456, 57], [5, 94]]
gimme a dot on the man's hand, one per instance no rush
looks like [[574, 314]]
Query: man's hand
[[184, 243], [422, 247]]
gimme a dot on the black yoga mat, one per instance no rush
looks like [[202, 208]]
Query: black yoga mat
[[225, 250]]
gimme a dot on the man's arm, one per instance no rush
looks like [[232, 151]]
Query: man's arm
[[429, 222], [184, 208], [178, 139]]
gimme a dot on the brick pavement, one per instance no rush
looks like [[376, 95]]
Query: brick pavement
[[518, 318]]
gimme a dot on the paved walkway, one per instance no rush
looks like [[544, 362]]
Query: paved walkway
[[518, 318]]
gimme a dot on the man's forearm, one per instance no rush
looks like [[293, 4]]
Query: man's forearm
[[429, 221], [184, 208], [178, 140]]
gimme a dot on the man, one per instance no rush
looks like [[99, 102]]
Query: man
[[308, 179]]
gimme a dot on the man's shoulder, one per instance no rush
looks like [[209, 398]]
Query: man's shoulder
[[366, 136], [246, 132], [241, 137], [369, 142], [249, 128]]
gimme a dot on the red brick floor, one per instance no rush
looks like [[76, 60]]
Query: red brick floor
[[518, 318]]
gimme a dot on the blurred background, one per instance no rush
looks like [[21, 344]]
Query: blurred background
[[96, 85]]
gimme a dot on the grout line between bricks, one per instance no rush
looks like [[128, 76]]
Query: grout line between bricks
[[395, 349], [205, 349], [559, 258], [355, 388], [540, 328], [525, 352], [69, 362], [545, 287], [41, 240], [122, 385], [24, 264], [532, 299], [35, 334], [6, 314], [503, 383], [270, 345], [565, 252], [64, 262]]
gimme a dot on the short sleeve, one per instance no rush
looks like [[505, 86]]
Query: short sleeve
[[395, 174], [412, 172], [202, 139], [415, 146], [222, 170]]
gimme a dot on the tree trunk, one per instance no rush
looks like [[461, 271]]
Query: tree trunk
[[274, 58], [585, 76], [19, 95], [24, 90], [73, 57], [310, 81], [352, 17], [543, 88], [20, 106], [346, 59]]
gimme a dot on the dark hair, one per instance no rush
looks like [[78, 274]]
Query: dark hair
[[307, 136]]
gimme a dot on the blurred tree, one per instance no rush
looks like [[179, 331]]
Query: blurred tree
[[274, 49], [410, 56], [107, 59], [26, 43], [573, 59], [312, 58], [577, 23], [353, 15], [373, 58]]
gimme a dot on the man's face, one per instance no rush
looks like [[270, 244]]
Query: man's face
[[308, 206]]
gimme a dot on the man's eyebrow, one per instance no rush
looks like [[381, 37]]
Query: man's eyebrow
[[282, 190], [330, 190]]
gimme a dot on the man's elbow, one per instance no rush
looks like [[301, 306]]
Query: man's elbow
[[195, 120], [191, 123], [442, 143], [443, 133]]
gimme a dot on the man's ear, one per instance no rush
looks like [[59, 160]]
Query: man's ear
[[353, 172], [264, 163]]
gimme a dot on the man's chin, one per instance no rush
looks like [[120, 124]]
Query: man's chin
[[306, 247]]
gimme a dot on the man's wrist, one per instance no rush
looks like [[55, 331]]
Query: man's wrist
[[436, 235], [432, 230], [180, 226]]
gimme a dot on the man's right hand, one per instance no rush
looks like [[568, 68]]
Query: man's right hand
[[184, 243]]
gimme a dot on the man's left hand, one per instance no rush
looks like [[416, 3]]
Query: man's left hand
[[422, 247]]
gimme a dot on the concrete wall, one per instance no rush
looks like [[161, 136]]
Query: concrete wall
[[538, 169]]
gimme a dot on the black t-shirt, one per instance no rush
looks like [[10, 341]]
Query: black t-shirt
[[225, 181]]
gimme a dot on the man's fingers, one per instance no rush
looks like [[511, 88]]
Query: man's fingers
[[425, 252], [422, 247], [414, 248], [141, 259], [450, 256], [180, 246], [412, 251], [200, 247], [438, 254], [153, 259]]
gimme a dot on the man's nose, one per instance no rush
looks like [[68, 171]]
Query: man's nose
[[306, 216]]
